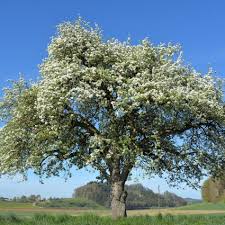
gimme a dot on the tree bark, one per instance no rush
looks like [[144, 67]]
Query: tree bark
[[118, 203]]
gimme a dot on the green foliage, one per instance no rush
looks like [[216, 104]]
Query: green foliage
[[142, 197], [97, 192], [30, 199], [95, 220], [172, 200], [139, 197], [213, 190]]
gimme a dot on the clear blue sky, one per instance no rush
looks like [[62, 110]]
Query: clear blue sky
[[26, 27]]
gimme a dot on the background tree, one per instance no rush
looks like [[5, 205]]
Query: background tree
[[213, 190], [31, 198], [205, 191], [113, 106]]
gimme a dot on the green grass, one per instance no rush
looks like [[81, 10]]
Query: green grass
[[41, 219], [16, 205], [75, 203], [204, 206], [70, 203], [13, 213]]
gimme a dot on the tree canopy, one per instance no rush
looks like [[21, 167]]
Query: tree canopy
[[113, 106]]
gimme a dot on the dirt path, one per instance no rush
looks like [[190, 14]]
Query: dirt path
[[173, 212], [75, 212]]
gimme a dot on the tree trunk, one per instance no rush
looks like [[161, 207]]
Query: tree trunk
[[118, 203]]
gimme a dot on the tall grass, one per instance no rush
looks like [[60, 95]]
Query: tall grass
[[41, 219]]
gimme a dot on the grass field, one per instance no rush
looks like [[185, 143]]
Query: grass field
[[204, 206], [29, 209], [15, 205], [96, 220], [78, 203], [26, 214]]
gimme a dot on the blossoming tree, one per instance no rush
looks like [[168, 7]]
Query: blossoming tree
[[113, 106]]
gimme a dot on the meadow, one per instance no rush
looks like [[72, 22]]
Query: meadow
[[41, 219], [12, 213]]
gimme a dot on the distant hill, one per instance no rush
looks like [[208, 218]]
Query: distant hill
[[97, 192], [139, 197], [192, 200]]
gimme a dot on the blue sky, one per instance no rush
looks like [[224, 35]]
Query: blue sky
[[27, 26]]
